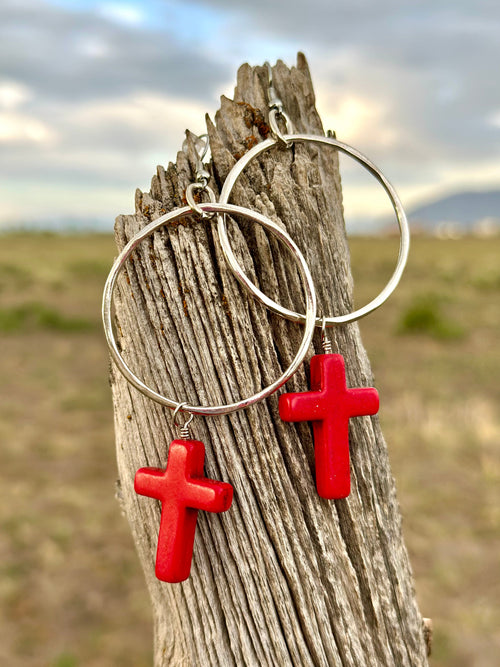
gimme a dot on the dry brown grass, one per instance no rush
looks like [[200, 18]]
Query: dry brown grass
[[71, 589]]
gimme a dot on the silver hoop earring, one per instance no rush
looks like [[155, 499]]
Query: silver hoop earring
[[329, 404], [181, 487]]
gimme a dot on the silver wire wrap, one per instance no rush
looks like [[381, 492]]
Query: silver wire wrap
[[210, 207], [184, 429], [326, 343], [404, 244]]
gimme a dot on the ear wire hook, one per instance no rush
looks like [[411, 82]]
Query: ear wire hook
[[276, 112], [274, 100], [202, 176]]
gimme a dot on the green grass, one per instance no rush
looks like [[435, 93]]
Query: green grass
[[65, 660], [88, 269], [71, 586], [13, 274], [33, 315], [425, 316]]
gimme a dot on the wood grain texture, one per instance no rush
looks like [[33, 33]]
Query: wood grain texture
[[284, 577]]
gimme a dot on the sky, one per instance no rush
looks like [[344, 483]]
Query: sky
[[93, 95]]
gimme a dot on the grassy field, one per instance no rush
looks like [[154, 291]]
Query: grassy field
[[71, 590]]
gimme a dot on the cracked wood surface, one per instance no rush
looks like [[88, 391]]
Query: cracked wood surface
[[284, 577]]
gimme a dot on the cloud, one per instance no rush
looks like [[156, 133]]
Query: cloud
[[432, 66], [83, 54], [93, 98], [12, 94], [126, 14], [22, 129], [93, 94], [96, 159]]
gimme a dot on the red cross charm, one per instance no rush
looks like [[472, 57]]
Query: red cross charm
[[183, 491], [329, 405]]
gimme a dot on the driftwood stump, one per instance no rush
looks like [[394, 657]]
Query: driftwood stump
[[284, 577]]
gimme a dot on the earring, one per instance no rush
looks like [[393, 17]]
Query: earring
[[181, 487], [328, 404]]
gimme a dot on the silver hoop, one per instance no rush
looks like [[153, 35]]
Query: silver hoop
[[404, 244], [209, 207]]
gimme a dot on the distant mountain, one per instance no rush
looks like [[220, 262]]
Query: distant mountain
[[465, 211]]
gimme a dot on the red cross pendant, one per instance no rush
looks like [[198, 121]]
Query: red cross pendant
[[183, 491], [330, 405]]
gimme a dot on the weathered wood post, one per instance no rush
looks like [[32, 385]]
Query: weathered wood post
[[284, 577]]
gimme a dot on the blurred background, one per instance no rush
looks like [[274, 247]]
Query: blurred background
[[93, 95]]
